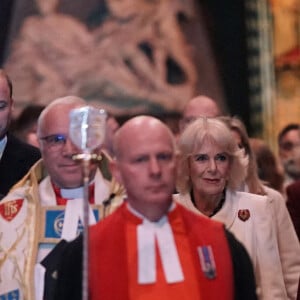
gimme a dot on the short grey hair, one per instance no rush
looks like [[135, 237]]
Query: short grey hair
[[71, 101]]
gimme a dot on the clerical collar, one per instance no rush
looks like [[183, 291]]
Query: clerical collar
[[217, 208], [152, 235], [73, 193], [139, 215], [3, 143]]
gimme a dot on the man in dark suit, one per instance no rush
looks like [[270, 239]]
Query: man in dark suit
[[16, 157], [293, 204]]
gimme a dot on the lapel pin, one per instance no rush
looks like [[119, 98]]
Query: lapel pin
[[244, 214]]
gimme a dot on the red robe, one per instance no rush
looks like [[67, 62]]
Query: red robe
[[113, 245]]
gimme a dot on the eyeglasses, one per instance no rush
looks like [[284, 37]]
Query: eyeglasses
[[55, 141], [288, 146]]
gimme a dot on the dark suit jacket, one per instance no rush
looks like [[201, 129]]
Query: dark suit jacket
[[293, 204], [17, 159]]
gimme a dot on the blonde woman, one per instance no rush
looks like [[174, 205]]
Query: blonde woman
[[211, 168], [288, 244]]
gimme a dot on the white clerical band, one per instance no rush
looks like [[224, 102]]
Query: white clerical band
[[74, 213], [161, 231]]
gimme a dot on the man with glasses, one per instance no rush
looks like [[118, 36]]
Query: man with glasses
[[46, 206]]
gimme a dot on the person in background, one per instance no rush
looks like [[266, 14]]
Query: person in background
[[45, 206], [16, 157], [200, 106], [289, 249], [293, 204], [112, 126], [167, 252], [25, 126], [268, 168], [289, 152], [211, 168]]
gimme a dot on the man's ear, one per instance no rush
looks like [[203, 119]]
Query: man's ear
[[114, 169]]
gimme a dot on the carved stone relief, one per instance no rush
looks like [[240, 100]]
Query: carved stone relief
[[138, 60]]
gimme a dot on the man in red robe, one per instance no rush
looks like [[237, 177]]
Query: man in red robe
[[151, 247]]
